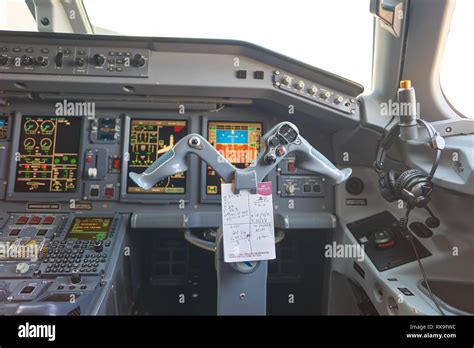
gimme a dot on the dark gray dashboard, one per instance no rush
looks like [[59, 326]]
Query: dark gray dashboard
[[199, 81]]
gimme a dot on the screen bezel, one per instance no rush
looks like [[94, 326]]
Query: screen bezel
[[42, 196], [231, 117], [125, 196]]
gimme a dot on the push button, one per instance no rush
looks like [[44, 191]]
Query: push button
[[22, 220]]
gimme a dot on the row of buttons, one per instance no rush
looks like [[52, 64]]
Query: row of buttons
[[35, 220], [16, 232], [316, 188], [72, 287], [258, 74]]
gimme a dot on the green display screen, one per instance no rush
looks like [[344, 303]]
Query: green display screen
[[89, 228]]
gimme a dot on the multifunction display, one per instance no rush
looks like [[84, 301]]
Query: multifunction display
[[238, 142], [89, 228], [48, 153], [150, 139]]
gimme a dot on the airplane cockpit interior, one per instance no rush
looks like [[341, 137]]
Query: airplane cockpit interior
[[250, 158]]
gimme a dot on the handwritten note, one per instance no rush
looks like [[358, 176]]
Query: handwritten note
[[247, 220]]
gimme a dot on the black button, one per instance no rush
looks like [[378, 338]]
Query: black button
[[241, 74], [72, 287], [83, 287], [60, 287], [259, 75], [307, 188], [42, 232], [317, 188], [15, 232]]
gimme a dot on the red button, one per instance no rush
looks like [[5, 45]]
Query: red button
[[116, 163], [109, 192], [48, 220], [35, 220], [291, 167], [22, 220], [89, 159]]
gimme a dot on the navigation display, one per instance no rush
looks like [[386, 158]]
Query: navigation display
[[89, 228], [149, 139], [238, 142], [48, 154]]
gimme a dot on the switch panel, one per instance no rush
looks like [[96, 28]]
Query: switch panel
[[301, 186], [95, 164], [74, 60], [314, 92]]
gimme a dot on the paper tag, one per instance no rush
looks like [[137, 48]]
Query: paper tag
[[247, 221]]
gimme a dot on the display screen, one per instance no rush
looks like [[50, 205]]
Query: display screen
[[149, 139], [89, 228], [48, 154], [3, 127], [238, 142]]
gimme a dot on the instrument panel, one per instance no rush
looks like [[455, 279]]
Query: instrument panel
[[149, 140], [48, 154]]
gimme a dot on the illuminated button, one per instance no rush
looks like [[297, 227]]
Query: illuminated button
[[15, 232], [109, 192], [116, 163], [291, 167], [48, 220], [35, 220], [22, 220], [89, 158]]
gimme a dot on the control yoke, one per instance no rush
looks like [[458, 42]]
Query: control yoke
[[281, 140]]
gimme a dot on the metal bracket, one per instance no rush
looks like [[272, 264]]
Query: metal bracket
[[389, 15]]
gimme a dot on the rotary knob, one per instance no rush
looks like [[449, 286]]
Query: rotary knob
[[99, 60], [4, 60], [299, 85], [290, 188], [338, 99], [313, 90], [286, 80], [80, 62], [325, 95], [27, 61], [138, 61]]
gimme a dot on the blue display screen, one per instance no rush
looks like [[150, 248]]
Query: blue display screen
[[224, 136]]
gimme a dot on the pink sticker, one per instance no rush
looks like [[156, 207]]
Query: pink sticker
[[264, 188]]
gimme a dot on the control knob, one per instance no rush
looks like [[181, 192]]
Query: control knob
[[312, 90], [98, 246], [99, 59], [325, 95], [4, 60], [80, 62], [27, 61], [299, 85], [290, 188], [338, 99], [138, 61], [75, 277], [43, 61]]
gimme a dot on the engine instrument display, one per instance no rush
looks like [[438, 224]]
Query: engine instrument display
[[149, 139], [238, 142], [48, 154], [3, 127], [89, 228]]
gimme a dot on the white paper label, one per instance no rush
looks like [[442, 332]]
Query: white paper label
[[247, 221]]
